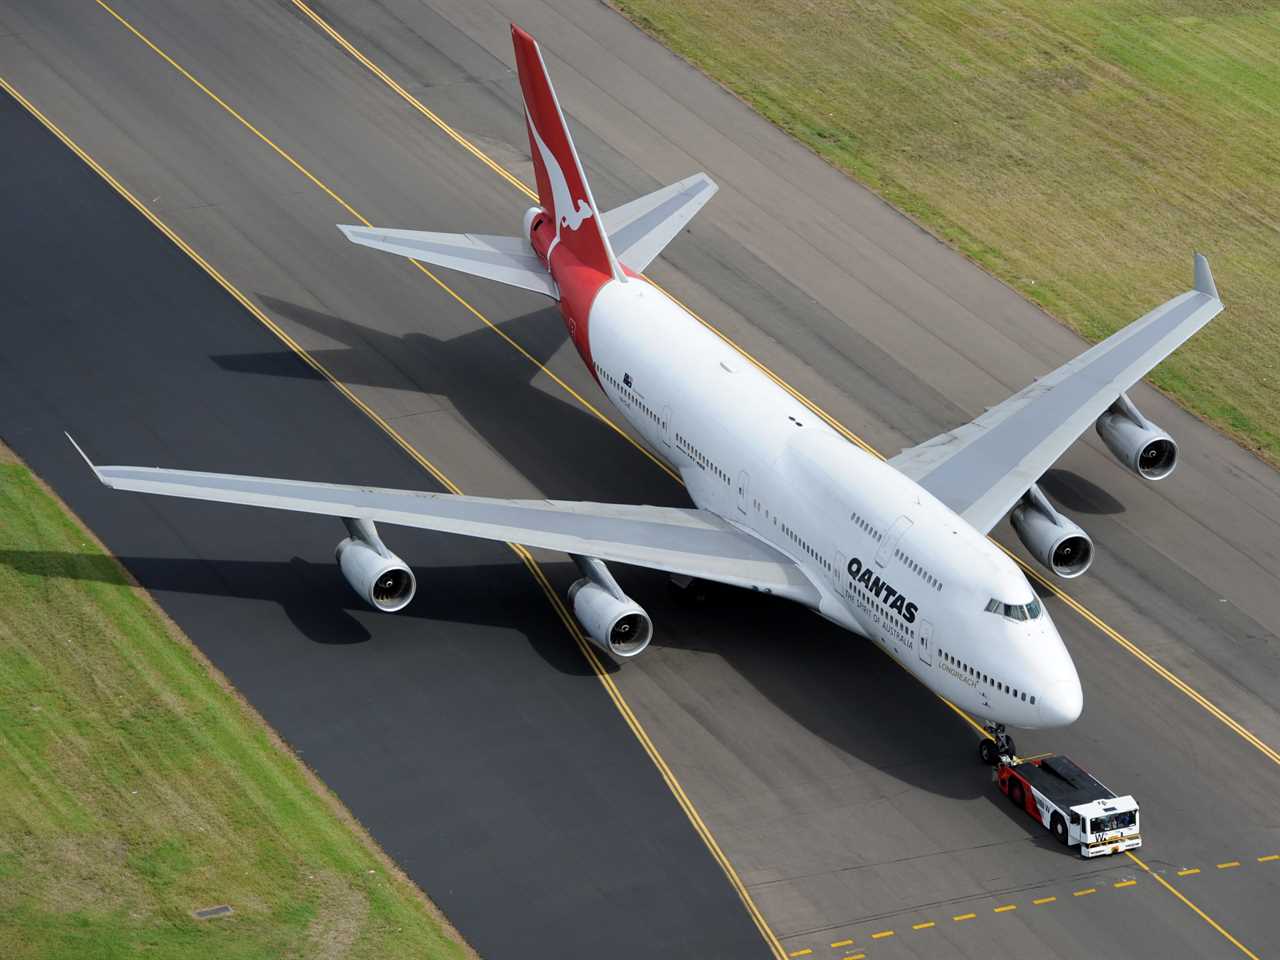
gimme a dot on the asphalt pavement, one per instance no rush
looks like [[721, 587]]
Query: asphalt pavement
[[845, 795], [467, 734]]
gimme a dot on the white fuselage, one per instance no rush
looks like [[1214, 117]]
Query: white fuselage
[[887, 559]]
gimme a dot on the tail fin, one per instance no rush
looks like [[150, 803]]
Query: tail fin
[[562, 186]]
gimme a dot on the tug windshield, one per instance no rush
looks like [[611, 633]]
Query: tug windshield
[[1116, 821]]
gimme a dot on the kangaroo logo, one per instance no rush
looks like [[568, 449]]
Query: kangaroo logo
[[567, 213]]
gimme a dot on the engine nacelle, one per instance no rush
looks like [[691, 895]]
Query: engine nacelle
[[1052, 539], [380, 577], [612, 620], [1136, 442], [619, 626]]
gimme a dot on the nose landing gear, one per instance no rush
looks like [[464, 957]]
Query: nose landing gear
[[996, 746]]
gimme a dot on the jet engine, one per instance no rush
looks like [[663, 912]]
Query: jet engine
[[1052, 539], [380, 577], [613, 621], [1136, 442]]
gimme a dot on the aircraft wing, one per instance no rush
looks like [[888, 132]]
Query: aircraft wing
[[638, 231], [508, 260], [981, 469], [684, 541]]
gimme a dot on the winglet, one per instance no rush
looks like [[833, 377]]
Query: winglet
[[1204, 277], [84, 457]]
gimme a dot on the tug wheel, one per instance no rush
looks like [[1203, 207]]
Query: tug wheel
[[1059, 828], [1016, 794]]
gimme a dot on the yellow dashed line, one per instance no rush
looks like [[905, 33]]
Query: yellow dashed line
[[1005, 909], [1035, 574], [1125, 883], [842, 943], [800, 953], [1191, 906], [1190, 871], [1044, 900], [856, 956], [1085, 892], [923, 926], [882, 934]]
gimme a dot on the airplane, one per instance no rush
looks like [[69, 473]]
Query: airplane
[[896, 552]]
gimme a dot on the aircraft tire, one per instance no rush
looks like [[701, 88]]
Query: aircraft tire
[[987, 751]]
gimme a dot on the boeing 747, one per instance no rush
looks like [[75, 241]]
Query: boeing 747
[[896, 552]]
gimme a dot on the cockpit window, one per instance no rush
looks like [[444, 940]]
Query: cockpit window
[[1015, 611]]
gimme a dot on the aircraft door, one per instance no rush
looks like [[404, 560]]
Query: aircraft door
[[891, 540], [666, 425], [840, 575], [926, 642], [744, 487]]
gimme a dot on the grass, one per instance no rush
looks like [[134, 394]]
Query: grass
[[135, 787], [1078, 150]]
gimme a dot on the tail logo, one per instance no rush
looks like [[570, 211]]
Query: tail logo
[[569, 213]]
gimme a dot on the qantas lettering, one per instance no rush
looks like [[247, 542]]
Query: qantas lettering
[[897, 602]]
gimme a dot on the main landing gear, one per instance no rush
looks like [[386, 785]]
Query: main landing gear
[[998, 745]]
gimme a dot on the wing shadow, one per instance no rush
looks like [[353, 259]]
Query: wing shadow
[[1079, 494], [561, 448]]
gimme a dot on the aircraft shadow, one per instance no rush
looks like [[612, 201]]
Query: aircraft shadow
[[318, 603], [559, 447], [839, 687], [1078, 494]]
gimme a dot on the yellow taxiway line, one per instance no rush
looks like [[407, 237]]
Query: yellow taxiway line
[[831, 421], [530, 563], [471, 148], [561, 610], [1200, 913]]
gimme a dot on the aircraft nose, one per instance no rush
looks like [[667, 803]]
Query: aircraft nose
[[1062, 703]]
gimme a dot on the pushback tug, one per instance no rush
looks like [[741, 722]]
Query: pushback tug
[[1073, 805]]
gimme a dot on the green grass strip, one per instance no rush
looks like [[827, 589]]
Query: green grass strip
[[135, 787], [1080, 151]]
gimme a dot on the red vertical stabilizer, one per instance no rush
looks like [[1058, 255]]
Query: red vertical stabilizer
[[562, 187]]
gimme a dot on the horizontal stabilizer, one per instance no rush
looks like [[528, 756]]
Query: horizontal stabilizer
[[508, 260], [639, 230]]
